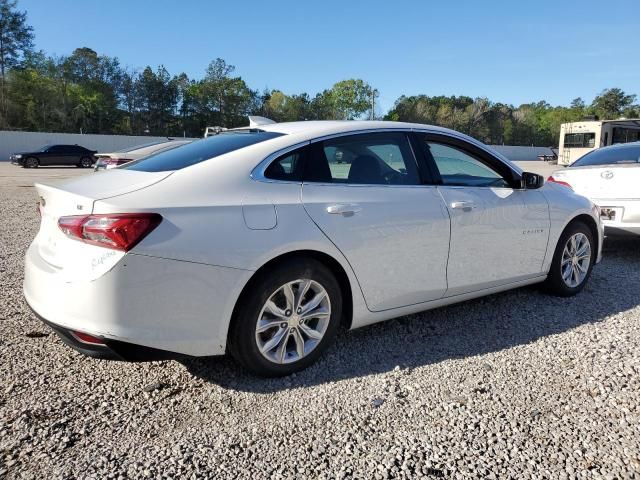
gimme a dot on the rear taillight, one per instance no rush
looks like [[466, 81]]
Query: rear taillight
[[119, 231], [559, 182]]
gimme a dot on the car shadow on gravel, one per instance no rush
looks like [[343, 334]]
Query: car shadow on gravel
[[472, 328]]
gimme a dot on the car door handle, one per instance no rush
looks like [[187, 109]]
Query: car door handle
[[345, 209], [464, 206]]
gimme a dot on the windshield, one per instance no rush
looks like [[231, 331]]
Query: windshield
[[43, 148], [199, 151], [610, 156]]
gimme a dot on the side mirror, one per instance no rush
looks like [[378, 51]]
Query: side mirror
[[531, 181]]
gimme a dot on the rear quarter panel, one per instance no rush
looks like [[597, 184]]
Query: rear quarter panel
[[204, 222]]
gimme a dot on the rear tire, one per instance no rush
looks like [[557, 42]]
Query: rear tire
[[572, 261], [279, 304], [31, 162], [85, 162]]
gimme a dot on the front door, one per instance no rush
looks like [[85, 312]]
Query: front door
[[364, 192], [499, 232]]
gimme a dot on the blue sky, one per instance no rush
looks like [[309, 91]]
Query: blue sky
[[509, 51]]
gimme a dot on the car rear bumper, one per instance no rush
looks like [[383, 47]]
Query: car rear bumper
[[627, 221], [142, 302], [109, 349]]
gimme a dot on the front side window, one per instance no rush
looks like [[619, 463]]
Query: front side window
[[610, 156], [579, 140], [458, 168], [199, 151], [365, 159]]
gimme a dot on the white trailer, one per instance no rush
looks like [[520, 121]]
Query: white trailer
[[578, 138]]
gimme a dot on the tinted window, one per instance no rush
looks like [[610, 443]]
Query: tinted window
[[199, 151], [579, 140], [74, 149], [372, 159], [610, 156], [57, 149], [459, 168], [287, 167], [625, 135]]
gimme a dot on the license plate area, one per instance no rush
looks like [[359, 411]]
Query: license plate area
[[610, 214]]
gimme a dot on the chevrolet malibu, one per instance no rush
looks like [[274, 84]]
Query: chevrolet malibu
[[261, 243]]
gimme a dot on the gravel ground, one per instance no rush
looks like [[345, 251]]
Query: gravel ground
[[515, 385]]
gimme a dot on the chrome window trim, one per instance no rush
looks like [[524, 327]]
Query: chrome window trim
[[258, 172], [360, 132], [475, 143]]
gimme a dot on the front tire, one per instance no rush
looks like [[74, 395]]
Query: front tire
[[572, 261], [31, 163], [287, 318]]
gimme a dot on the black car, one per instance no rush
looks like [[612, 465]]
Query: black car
[[55, 155]]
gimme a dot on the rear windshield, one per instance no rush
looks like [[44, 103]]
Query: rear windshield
[[610, 156], [199, 151]]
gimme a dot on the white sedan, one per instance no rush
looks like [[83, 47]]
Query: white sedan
[[610, 177], [262, 241]]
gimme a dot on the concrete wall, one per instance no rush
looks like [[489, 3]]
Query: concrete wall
[[521, 154], [11, 142]]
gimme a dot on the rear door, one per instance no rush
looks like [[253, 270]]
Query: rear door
[[499, 232], [69, 155], [365, 193]]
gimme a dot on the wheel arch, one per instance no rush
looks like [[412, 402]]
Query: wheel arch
[[589, 222], [334, 266], [28, 157]]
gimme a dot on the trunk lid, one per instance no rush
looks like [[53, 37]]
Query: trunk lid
[[73, 259], [603, 182]]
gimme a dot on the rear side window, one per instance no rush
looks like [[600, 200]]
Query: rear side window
[[610, 156], [288, 167], [199, 151], [383, 158]]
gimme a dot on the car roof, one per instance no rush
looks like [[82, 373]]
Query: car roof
[[328, 127]]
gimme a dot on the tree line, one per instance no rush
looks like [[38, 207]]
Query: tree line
[[92, 93]]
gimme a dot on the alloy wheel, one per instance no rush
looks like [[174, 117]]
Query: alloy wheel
[[293, 321], [576, 258]]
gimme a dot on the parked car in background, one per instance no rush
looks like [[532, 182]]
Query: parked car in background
[[258, 242], [610, 177], [55, 155], [115, 159]]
